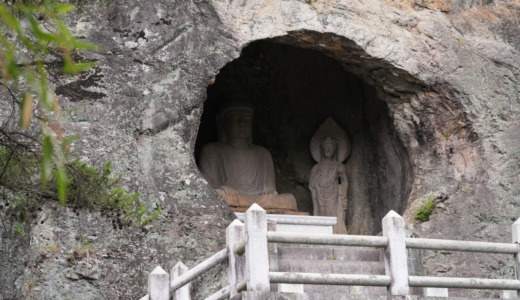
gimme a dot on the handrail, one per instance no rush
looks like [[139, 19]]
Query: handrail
[[327, 239], [465, 283], [379, 241], [454, 245], [220, 295], [329, 279], [189, 275]]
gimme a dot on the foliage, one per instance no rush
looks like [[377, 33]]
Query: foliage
[[86, 250], [36, 47], [33, 40], [87, 187], [423, 213], [19, 229], [91, 187]]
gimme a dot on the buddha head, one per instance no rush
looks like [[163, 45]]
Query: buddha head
[[235, 122], [330, 141], [328, 148]]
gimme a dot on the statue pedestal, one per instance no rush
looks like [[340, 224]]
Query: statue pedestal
[[272, 203]]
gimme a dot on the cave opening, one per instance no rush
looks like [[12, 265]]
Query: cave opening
[[294, 90]]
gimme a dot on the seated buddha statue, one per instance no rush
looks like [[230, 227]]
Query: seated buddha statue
[[240, 171]]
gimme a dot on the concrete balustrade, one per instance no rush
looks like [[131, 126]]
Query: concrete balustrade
[[247, 252]]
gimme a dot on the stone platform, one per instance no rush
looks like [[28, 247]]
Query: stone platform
[[299, 223]]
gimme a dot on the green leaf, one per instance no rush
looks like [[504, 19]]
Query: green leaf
[[19, 229], [75, 68], [80, 67], [78, 44], [39, 34], [107, 168], [64, 34], [10, 20], [67, 141], [29, 44], [31, 78], [28, 9], [70, 139], [13, 71], [42, 87], [61, 183], [68, 65], [61, 8], [9, 66], [46, 158]]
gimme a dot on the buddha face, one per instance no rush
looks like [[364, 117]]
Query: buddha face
[[238, 124], [328, 148]]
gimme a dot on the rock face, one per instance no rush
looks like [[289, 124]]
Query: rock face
[[427, 90]]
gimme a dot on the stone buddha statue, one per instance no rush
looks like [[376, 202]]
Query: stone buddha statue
[[328, 183], [241, 172]]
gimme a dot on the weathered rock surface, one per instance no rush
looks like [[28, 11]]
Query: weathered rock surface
[[443, 75]]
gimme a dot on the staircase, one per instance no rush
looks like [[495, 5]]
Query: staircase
[[321, 259], [273, 257], [330, 260]]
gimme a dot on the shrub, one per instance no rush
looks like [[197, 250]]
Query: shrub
[[87, 187], [423, 213]]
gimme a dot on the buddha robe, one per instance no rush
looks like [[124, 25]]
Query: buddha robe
[[248, 170], [328, 185]]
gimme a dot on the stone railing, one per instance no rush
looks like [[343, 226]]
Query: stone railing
[[247, 252]]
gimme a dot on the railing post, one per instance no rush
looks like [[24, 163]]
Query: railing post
[[257, 261], [184, 293], [272, 247], [396, 261], [515, 230], [159, 284], [236, 266]]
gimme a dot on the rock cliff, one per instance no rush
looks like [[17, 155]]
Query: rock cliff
[[427, 90]]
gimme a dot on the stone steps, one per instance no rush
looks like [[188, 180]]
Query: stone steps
[[331, 266], [332, 260], [338, 289], [329, 253]]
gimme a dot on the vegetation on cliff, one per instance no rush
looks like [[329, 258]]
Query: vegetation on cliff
[[36, 47]]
